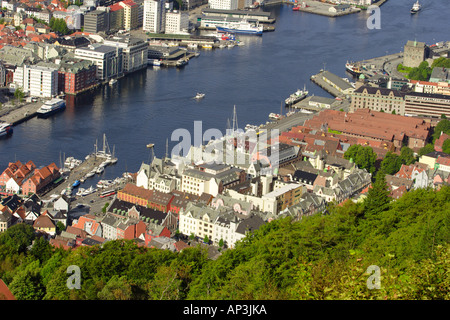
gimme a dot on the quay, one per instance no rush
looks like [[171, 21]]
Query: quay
[[21, 113], [333, 84], [319, 8]]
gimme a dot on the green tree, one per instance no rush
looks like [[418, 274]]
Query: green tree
[[442, 127], [391, 163], [41, 250], [19, 94], [429, 147], [446, 146], [27, 284], [378, 196], [117, 288], [17, 238], [407, 156], [363, 157]]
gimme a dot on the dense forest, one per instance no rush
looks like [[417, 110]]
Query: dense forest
[[324, 256]]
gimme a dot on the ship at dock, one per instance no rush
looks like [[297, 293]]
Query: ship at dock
[[51, 107], [353, 68], [296, 97], [243, 27]]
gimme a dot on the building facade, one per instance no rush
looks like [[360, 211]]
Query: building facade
[[176, 22], [38, 81], [108, 60], [154, 16]]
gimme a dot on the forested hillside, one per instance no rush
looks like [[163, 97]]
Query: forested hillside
[[320, 257]]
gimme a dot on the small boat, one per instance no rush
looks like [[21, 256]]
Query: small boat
[[274, 116], [80, 191], [199, 96], [76, 183], [416, 7], [99, 170], [296, 8], [207, 46], [5, 129], [112, 81], [154, 62]]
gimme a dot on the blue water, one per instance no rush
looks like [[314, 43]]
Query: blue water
[[146, 107]]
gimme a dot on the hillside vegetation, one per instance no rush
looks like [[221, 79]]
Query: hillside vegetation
[[320, 257]]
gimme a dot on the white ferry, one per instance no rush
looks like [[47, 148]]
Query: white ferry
[[50, 107], [243, 26]]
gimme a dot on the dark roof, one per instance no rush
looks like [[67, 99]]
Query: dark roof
[[157, 216], [303, 176], [383, 91], [12, 202], [250, 224]]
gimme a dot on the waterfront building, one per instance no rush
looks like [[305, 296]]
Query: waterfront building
[[96, 21], [154, 16], [223, 4], [176, 22], [261, 16], [414, 53], [76, 75], [427, 104], [107, 58], [337, 83], [378, 99], [38, 81], [134, 52], [40, 179]]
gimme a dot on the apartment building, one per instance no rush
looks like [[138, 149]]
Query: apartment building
[[38, 81], [154, 16]]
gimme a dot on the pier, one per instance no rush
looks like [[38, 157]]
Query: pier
[[332, 84]]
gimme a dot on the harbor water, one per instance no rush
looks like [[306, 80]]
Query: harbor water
[[147, 106]]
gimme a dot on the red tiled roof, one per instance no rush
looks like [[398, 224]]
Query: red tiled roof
[[5, 293]]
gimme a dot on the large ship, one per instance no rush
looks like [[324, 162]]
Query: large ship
[[5, 129], [353, 68], [416, 7], [296, 97], [243, 26], [50, 107]]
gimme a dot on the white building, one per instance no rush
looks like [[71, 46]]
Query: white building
[[154, 16], [176, 22], [223, 4], [107, 58], [134, 52], [38, 81]]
